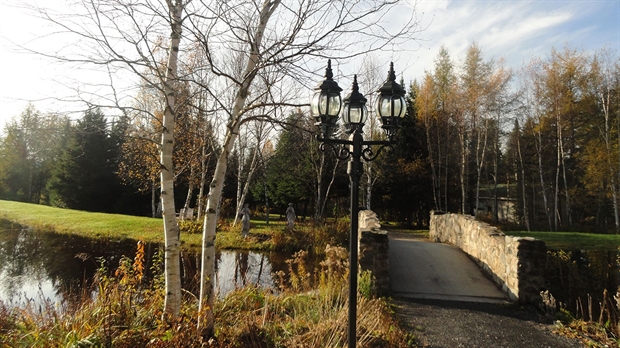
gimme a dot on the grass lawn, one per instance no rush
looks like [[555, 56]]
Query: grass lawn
[[118, 226], [98, 225], [573, 240]]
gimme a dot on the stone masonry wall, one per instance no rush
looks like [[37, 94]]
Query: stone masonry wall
[[373, 251], [515, 263]]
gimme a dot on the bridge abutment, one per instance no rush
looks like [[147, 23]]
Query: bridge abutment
[[374, 251]]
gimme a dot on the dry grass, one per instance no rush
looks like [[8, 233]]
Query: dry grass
[[126, 312]]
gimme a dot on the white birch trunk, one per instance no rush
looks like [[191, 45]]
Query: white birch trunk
[[480, 163], [203, 179], [318, 213], [525, 214], [605, 101], [241, 155], [172, 265], [188, 198], [206, 296], [329, 187], [463, 175], [542, 180], [246, 185]]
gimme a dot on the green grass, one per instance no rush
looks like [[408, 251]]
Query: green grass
[[117, 226], [414, 233], [573, 240], [89, 224]]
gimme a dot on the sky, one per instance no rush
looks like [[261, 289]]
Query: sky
[[515, 31]]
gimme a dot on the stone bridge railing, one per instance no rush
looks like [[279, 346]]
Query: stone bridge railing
[[514, 263], [374, 251]]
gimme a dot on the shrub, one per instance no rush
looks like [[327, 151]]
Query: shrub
[[127, 312], [190, 226]]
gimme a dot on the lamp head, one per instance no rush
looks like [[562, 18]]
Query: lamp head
[[326, 103], [354, 112], [391, 105]]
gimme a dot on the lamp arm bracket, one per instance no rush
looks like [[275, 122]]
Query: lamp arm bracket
[[368, 154], [341, 151]]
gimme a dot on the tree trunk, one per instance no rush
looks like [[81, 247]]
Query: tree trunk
[[435, 181], [462, 176], [153, 199], [206, 296], [266, 204], [480, 164], [248, 181], [329, 187], [566, 189], [188, 198], [369, 182], [172, 301], [203, 181], [525, 215], [240, 162], [606, 137], [542, 180], [318, 213]]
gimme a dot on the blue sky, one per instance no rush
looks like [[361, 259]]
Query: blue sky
[[514, 30]]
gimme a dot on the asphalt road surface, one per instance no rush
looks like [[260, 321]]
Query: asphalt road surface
[[422, 269]]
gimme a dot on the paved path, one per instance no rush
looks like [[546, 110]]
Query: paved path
[[446, 301], [426, 270]]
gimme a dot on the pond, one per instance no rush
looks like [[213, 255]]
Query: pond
[[584, 282], [37, 266]]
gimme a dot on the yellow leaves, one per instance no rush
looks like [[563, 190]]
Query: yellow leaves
[[131, 273], [598, 164]]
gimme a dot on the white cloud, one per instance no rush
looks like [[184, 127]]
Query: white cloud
[[514, 29]]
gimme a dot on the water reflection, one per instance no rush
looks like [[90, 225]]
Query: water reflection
[[37, 265], [578, 279]]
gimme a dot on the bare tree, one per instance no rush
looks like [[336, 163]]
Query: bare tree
[[606, 79], [257, 132], [126, 37], [500, 103], [474, 129], [278, 41], [275, 46], [371, 78], [534, 109]]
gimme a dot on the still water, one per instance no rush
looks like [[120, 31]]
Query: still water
[[37, 266]]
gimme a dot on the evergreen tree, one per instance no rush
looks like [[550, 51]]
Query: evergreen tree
[[406, 189], [289, 172], [27, 152], [85, 174]]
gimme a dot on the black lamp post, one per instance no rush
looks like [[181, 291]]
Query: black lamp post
[[325, 106]]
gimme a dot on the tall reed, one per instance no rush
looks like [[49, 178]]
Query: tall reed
[[123, 310]]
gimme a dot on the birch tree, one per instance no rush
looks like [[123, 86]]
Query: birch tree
[[474, 128], [248, 163], [279, 40], [122, 38], [534, 110], [437, 108], [500, 103], [607, 82], [371, 79], [172, 244]]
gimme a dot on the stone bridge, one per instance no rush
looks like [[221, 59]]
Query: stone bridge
[[473, 262]]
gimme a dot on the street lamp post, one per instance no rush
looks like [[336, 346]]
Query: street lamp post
[[326, 105]]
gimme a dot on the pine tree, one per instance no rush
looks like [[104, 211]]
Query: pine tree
[[84, 176]]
